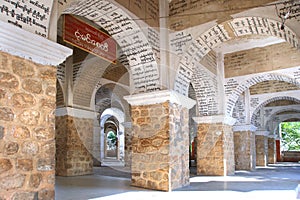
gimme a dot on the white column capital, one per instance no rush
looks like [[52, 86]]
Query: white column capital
[[215, 119], [75, 112], [19, 42], [262, 132], [127, 124], [160, 97], [245, 127]]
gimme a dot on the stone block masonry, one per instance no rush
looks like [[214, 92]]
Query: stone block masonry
[[74, 142], [27, 135], [215, 149], [160, 146], [261, 143], [271, 151], [244, 150]]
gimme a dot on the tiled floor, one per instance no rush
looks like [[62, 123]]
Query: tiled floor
[[273, 182]]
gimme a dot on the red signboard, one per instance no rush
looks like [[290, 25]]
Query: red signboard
[[89, 39]]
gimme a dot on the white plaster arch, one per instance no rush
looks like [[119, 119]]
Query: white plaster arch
[[120, 116], [260, 106], [219, 34], [273, 122], [277, 98], [233, 97], [120, 24], [282, 119]]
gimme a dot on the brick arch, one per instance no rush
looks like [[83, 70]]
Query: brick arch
[[128, 34], [278, 98], [219, 34]]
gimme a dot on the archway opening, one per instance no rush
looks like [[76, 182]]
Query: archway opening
[[290, 140]]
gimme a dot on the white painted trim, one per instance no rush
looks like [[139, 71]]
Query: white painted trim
[[75, 112], [215, 119], [248, 127], [19, 42], [160, 97], [127, 124], [264, 133]]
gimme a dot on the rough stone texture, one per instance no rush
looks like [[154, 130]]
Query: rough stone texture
[[214, 146], [32, 86], [160, 155], [20, 118], [5, 165], [21, 132], [6, 114], [25, 164], [25, 196], [128, 147], [244, 150], [8, 80], [23, 100], [261, 143], [74, 141], [271, 151]]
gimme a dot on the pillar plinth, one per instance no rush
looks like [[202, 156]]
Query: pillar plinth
[[244, 147], [215, 147], [160, 140]]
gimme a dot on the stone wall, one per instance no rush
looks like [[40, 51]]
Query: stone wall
[[27, 145], [160, 147], [214, 145], [74, 142], [261, 143], [244, 150]]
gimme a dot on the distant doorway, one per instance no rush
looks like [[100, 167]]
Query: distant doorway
[[111, 145]]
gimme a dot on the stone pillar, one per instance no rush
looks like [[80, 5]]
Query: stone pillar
[[27, 106], [244, 147], [74, 141], [96, 143], [261, 143], [160, 143], [271, 150], [215, 147], [128, 144]]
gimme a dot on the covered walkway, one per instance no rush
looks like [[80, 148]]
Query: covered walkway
[[277, 181]]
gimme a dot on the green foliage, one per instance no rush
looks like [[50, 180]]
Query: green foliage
[[111, 140], [290, 135]]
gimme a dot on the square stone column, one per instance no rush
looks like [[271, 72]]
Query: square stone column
[[261, 143], [244, 147], [27, 113], [128, 144], [271, 150], [160, 142], [215, 147], [74, 142]]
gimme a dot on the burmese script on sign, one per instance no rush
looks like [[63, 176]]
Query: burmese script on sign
[[31, 15], [89, 39]]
